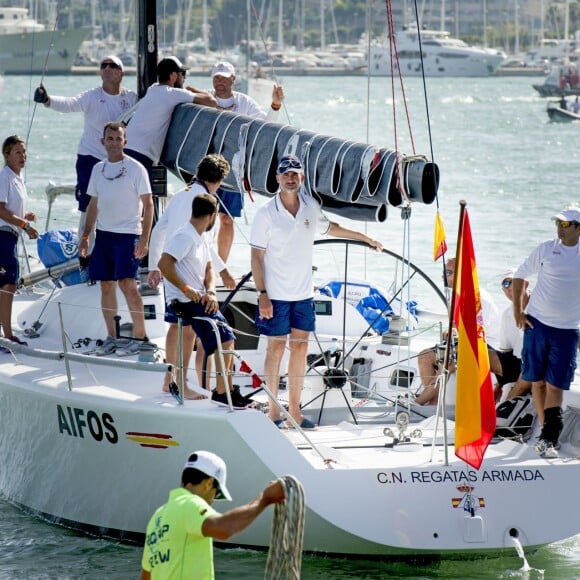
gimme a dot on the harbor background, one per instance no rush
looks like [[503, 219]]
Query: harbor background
[[496, 149]]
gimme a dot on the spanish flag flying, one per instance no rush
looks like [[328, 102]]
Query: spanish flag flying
[[439, 242], [474, 403]]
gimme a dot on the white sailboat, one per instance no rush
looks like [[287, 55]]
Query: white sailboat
[[92, 443]]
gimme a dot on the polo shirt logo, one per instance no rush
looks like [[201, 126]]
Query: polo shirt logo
[[307, 223]]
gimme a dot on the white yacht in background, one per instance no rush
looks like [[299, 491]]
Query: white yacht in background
[[25, 44], [443, 56]]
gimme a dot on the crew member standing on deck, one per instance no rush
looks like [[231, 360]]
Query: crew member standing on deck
[[99, 106], [223, 77], [550, 322], [282, 239], [121, 206], [179, 538], [13, 219]]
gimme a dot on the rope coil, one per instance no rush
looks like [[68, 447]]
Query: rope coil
[[285, 554]]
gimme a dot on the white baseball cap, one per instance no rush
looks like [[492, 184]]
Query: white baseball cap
[[114, 59], [570, 214], [213, 466], [223, 69]]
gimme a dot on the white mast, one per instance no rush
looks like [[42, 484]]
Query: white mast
[[485, 23], [280, 23], [322, 30], [205, 27], [517, 27], [122, 31]]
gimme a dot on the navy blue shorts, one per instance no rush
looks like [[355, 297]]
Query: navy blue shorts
[[9, 267], [203, 329], [84, 167], [549, 354], [232, 201], [298, 314], [113, 256]]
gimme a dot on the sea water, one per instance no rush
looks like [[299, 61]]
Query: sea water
[[496, 150]]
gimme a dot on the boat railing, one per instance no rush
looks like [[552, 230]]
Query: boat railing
[[67, 356], [221, 365]]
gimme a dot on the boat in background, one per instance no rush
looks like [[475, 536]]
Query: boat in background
[[563, 80], [29, 47], [559, 115], [443, 56]]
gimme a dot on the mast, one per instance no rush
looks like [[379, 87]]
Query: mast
[[517, 27], [322, 30], [280, 23], [205, 26], [485, 23], [147, 39]]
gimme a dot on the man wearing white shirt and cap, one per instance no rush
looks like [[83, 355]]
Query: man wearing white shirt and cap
[[223, 77], [99, 106], [550, 322], [282, 240], [179, 537], [148, 127]]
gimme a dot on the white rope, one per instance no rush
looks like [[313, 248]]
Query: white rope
[[285, 554]]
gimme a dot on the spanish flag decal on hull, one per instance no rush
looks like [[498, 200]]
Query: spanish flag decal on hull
[[155, 440]]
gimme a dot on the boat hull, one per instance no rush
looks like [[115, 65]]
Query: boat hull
[[26, 53], [558, 115], [101, 460]]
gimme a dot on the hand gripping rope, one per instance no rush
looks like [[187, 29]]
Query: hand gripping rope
[[285, 554]]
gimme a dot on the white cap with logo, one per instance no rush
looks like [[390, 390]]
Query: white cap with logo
[[223, 69], [213, 466]]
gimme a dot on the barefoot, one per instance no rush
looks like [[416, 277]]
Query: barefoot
[[188, 393], [192, 395]]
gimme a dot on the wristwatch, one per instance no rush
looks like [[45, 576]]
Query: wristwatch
[[260, 292]]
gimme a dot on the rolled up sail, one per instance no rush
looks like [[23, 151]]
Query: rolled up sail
[[354, 180]]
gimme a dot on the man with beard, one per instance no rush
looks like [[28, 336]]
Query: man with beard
[[148, 126]]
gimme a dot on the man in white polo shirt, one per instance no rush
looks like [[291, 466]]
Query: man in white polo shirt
[[282, 238]]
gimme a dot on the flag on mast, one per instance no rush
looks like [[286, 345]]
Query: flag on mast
[[474, 403], [439, 242]]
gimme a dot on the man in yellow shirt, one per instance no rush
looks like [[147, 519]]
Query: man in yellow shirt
[[179, 539]]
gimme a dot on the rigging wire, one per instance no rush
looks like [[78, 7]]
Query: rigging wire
[[428, 119], [259, 28], [44, 71]]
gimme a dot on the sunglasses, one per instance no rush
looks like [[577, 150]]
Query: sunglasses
[[289, 164], [104, 65], [121, 173], [566, 224], [506, 283]]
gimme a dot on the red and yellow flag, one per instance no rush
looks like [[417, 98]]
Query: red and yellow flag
[[474, 402], [439, 241]]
